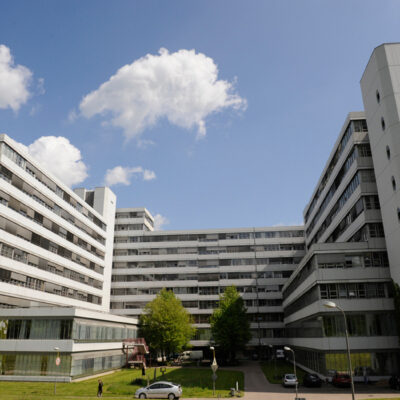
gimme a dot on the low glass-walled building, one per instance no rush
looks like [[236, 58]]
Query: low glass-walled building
[[84, 342]]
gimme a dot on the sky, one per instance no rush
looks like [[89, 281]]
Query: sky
[[211, 114]]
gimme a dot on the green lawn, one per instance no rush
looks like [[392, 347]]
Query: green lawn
[[196, 382], [282, 367]]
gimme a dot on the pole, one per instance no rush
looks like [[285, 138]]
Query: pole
[[55, 378], [294, 365], [348, 353]]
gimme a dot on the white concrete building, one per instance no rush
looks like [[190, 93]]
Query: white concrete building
[[198, 265], [55, 251], [347, 263], [55, 248], [380, 85]]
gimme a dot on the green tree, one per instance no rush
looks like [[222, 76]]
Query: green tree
[[165, 324], [230, 326]]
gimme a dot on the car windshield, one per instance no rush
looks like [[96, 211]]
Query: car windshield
[[290, 376]]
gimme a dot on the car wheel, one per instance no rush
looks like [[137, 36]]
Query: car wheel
[[142, 396], [171, 396]]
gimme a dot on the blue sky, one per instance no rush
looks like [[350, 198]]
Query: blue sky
[[289, 71]]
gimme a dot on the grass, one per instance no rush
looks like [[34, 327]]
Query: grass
[[274, 375], [196, 382]]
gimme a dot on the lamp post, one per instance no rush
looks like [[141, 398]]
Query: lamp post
[[214, 367], [57, 349], [274, 357], [331, 304], [294, 367]]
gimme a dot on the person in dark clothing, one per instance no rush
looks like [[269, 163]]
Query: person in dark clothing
[[100, 388]]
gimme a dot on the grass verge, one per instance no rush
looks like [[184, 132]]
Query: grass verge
[[196, 382]]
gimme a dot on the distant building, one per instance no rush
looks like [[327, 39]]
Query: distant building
[[198, 265]]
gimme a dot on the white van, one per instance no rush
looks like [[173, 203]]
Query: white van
[[280, 354]]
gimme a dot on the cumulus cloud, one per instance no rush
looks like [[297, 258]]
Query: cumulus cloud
[[60, 157], [123, 175], [182, 87], [159, 222], [14, 81]]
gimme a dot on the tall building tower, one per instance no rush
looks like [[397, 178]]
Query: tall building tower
[[380, 87], [346, 263], [55, 246]]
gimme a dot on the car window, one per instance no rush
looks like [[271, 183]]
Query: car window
[[155, 386], [165, 386]]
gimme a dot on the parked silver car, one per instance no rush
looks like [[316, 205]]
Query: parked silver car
[[160, 390], [289, 380]]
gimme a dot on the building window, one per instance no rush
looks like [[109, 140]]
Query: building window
[[378, 97], [388, 152], [393, 183], [383, 124]]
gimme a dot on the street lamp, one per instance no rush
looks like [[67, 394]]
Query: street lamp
[[57, 349], [274, 357], [294, 367], [331, 304], [214, 367]]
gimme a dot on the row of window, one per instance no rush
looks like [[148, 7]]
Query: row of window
[[354, 126], [45, 329], [210, 250], [33, 215], [200, 277], [15, 278], [360, 176], [337, 182], [34, 238], [134, 214], [212, 237], [339, 290], [43, 264], [208, 304], [28, 167], [362, 204], [368, 231], [332, 325], [377, 259], [34, 194]]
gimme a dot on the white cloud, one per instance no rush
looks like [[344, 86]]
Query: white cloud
[[14, 81], [159, 222], [123, 175], [182, 87], [60, 157]]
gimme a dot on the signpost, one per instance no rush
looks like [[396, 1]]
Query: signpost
[[58, 362], [214, 367]]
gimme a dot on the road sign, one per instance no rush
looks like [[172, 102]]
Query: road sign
[[58, 361]]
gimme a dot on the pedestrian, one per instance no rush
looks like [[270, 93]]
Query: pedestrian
[[100, 388], [143, 370]]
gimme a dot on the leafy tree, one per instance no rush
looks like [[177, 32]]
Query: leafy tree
[[165, 324], [230, 326]]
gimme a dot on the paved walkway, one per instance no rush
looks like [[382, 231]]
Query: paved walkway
[[258, 388]]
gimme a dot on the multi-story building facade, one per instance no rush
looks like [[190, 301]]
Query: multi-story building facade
[[347, 263], [55, 251], [198, 265]]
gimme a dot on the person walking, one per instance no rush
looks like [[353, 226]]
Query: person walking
[[100, 388]]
